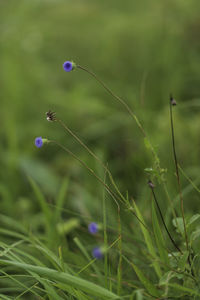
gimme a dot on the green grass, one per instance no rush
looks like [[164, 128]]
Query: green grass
[[143, 51]]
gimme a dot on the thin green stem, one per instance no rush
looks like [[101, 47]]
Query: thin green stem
[[189, 179], [92, 154], [119, 99], [115, 96], [171, 205], [112, 194], [119, 269], [105, 237], [162, 218], [177, 170], [127, 108]]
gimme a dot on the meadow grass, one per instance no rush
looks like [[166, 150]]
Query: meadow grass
[[111, 151], [171, 273]]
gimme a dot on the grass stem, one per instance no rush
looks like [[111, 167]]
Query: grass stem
[[173, 103], [162, 218]]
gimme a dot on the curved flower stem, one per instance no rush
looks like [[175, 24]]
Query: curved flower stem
[[162, 218], [129, 111], [116, 97], [177, 171], [92, 154], [119, 267], [119, 99], [112, 194], [173, 103]]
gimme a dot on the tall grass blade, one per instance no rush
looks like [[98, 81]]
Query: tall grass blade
[[42, 202], [159, 238], [60, 199], [150, 287], [148, 241]]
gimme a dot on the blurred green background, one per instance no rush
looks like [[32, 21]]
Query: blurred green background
[[143, 50]]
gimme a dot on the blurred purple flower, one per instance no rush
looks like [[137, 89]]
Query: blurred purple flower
[[93, 228], [38, 142], [97, 253], [68, 66]]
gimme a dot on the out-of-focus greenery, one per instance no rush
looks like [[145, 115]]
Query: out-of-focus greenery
[[143, 50]]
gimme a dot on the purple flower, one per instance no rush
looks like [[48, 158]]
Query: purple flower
[[93, 228], [68, 66], [38, 142], [97, 253]]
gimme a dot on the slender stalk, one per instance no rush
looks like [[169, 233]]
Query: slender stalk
[[115, 96], [105, 237], [112, 194], [163, 221], [171, 205], [119, 99], [92, 154], [189, 179], [172, 103], [119, 268], [127, 108]]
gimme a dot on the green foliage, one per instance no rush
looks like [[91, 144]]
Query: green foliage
[[142, 50], [148, 241], [61, 277], [160, 243]]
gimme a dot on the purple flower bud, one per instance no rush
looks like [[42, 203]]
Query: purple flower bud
[[38, 142], [68, 66], [93, 228], [97, 253]]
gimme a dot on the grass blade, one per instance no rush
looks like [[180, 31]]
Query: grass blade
[[148, 241], [150, 287], [63, 277], [159, 238]]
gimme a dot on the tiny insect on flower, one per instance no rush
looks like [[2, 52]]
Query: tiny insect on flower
[[68, 66], [93, 228], [97, 253]]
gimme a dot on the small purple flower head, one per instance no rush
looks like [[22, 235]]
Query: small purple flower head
[[38, 142], [93, 228], [68, 66], [97, 253]]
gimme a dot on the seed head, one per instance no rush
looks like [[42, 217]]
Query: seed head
[[51, 116], [93, 228], [172, 100], [68, 66], [151, 185]]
